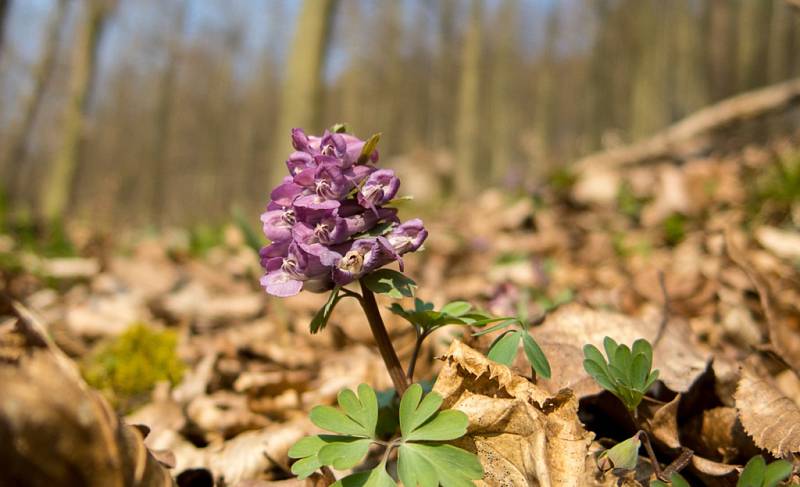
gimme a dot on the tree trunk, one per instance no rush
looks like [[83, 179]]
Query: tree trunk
[[4, 9], [467, 125], [11, 169], [501, 144], [59, 180], [163, 119], [302, 86]]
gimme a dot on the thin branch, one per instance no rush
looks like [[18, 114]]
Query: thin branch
[[651, 454], [381, 336]]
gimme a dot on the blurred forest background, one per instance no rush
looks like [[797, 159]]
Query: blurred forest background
[[164, 112]]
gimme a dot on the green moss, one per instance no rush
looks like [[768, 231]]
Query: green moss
[[628, 203], [674, 229], [129, 366], [777, 190]]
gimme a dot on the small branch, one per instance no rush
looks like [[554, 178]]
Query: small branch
[[651, 454], [414, 356], [385, 347]]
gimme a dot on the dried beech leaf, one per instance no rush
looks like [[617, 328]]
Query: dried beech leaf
[[522, 434], [769, 417], [679, 361], [664, 423]]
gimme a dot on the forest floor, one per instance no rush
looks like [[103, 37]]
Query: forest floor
[[700, 258]]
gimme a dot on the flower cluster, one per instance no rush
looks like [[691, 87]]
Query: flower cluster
[[327, 222]]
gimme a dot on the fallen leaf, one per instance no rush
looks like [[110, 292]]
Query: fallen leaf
[[678, 359], [769, 417], [521, 433]]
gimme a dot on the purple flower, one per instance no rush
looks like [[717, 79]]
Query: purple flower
[[364, 256], [380, 187], [407, 237], [326, 220]]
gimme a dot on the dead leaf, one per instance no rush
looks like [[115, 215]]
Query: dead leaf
[[522, 434], [769, 417], [678, 359], [718, 435]]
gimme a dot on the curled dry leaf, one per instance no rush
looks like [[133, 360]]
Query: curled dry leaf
[[678, 359], [769, 417], [522, 434], [54, 430]]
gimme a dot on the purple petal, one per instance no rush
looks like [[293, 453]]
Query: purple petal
[[278, 224], [285, 193], [279, 283], [408, 237]]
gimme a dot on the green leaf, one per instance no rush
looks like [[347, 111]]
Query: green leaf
[[775, 472], [535, 356], [363, 409], [323, 315], [643, 346], [456, 308], [753, 473], [391, 283], [308, 450], [590, 352], [339, 128], [345, 454], [444, 426], [610, 347], [599, 374], [622, 361], [651, 379], [412, 412], [640, 370], [505, 349], [306, 466], [624, 454], [452, 466], [331, 419], [496, 327], [369, 148], [657, 483], [677, 480], [377, 477]]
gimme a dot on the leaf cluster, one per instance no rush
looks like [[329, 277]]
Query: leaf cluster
[[422, 457], [626, 373], [504, 348], [425, 319], [758, 474]]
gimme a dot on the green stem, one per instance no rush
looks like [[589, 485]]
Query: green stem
[[381, 336]]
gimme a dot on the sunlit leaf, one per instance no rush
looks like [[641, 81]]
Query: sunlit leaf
[[535, 356], [452, 466], [391, 283], [505, 349]]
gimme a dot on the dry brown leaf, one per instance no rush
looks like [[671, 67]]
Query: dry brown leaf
[[782, 336], [678, 359], [717, 434], [522, 434], [769, 417], [664, 423], [54, 430]]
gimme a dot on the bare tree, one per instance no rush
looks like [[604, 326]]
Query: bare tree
[[59, 180], [163, 117], [302, 87], [11, 168], [468, 123]]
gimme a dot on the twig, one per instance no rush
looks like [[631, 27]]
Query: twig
[[678, 464], [385, 347], [651, 454], [665, 310]]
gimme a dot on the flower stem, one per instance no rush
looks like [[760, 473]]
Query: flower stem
[[388, 354], [415, 356]]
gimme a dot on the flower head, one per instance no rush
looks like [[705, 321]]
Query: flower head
[[327, 221]]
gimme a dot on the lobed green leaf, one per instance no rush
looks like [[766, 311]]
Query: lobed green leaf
[[536, 356], [753, 473], [504, 349], [391, 283], [452, 467]]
